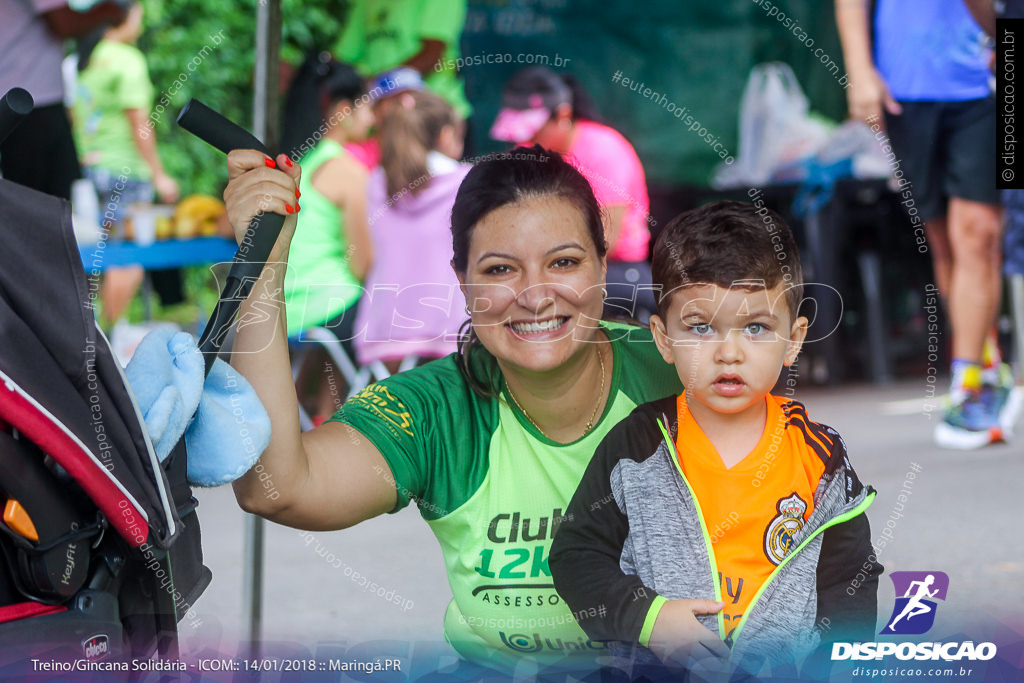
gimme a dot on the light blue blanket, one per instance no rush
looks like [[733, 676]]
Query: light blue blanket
[[226, 427]]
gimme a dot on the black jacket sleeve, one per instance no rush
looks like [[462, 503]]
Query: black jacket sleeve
[[847, 577], [608, 603]]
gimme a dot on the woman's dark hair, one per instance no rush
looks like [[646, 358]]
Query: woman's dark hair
[[504, 179], [86, 45], [340, 82], [553, 88], [319, 83]]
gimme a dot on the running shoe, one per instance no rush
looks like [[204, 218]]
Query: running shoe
[[1004, 400], [971, 423]]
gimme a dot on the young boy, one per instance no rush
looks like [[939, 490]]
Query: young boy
[[725, 513]]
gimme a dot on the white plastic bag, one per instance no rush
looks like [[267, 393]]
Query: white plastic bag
[[776, 129]]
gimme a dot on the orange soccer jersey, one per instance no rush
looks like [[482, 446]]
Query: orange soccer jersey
[[753, 509]]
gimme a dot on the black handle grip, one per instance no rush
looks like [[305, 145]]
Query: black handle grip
[[14, 106], [252, 254], [217, 130]]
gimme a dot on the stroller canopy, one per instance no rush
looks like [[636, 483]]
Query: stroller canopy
[[60, 385]]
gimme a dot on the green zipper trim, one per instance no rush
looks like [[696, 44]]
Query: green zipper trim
[[652, 616], [838, 520], [700, 518]]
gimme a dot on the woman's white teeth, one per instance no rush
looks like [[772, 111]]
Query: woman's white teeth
[[536, 328]]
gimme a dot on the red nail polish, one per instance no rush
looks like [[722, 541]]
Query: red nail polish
[[297, 193], [289, 209], [269, 163], [288, 162], [297, 207]]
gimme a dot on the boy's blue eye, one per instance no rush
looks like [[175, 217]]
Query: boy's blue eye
[[701, 329], [756, 328]]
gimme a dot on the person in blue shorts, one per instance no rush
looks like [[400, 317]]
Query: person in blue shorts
[[928, 78]]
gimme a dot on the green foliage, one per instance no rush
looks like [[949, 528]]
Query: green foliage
[[216, 39]]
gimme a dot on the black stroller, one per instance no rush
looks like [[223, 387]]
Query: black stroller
[[100, 553]]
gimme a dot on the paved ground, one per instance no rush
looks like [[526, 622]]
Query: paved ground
[[962, 515]]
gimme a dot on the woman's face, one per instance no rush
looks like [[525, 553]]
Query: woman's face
[[359, 120], [556, 133], [533, 282]]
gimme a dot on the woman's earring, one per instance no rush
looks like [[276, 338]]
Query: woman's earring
[[468, 312], [604, 292]]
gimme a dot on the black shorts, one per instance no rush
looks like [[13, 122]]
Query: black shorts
[[946, 149]]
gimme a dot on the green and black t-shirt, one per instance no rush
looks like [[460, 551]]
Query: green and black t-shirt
[[494, 489]]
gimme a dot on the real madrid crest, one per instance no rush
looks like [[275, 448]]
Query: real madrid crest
[[778, 537]]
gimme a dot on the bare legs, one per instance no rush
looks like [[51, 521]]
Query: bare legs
[[967, 260]]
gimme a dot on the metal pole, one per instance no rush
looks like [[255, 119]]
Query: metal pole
[[265, 118], [266, 98]]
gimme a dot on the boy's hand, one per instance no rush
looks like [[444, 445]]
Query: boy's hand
[[679, 639]]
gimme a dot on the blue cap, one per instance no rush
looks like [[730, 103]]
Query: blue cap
[[395, 81]]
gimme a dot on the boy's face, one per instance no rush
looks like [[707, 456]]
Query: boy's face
[[728, 344]]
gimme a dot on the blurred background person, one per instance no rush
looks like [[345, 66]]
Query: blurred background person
[[118, 149], [415, 306], [381, 35], [331, 251], [929, 79], [1013, 200], [551, 109], [384, 89], [42, 155]]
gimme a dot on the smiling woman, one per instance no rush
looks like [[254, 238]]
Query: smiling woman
[[490, 442]]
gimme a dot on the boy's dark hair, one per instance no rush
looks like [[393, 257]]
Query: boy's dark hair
[[725, 242]]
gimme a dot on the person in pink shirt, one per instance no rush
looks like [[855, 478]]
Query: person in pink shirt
[[551, 109]]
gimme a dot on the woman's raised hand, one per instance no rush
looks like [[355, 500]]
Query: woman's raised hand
[[258, 184]]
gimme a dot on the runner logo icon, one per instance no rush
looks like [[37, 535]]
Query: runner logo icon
[[914, 611]]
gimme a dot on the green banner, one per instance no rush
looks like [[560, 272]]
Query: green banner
[[655, 68]]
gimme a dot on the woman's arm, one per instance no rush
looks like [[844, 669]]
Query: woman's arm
[[330, 477], [65, 22], [426, 59], [343, 182], [984, 12]]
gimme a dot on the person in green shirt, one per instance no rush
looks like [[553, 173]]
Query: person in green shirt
[[489, 442], [332, 250], [117, 150], [381, 35]]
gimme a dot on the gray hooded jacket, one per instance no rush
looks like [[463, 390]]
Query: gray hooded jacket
[[633, 536]]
